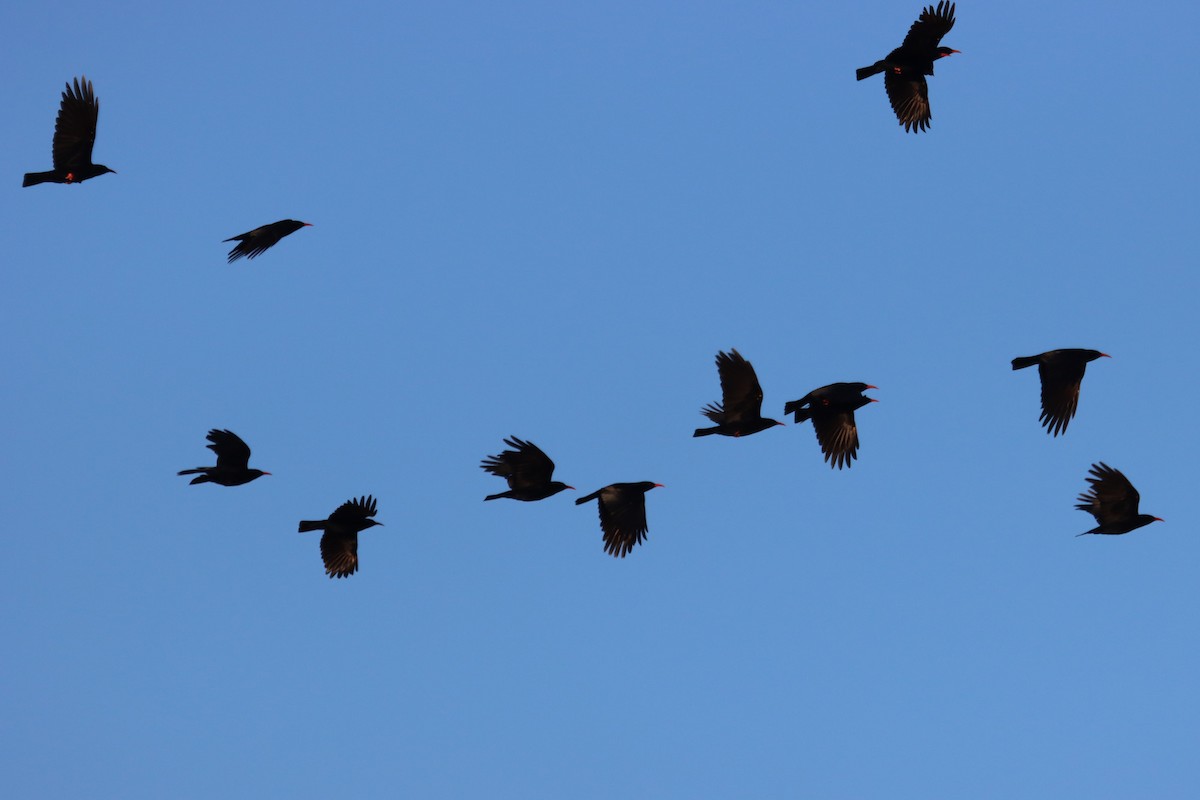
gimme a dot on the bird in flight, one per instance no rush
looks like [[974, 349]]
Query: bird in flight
[[740, 411], [905, 68], [1061, 372], [339, 545], [253, 243], [831, 409], [1113, 501], [233, 459], [622, 515], [527, 470], [74, 136]]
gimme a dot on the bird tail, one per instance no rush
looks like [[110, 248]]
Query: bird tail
[[190, 471], [704, 432], [1024, 361], [796, 406], [496, 496], [311, 525], [866, 72], [34, 178], [580, 501], [202, 477]]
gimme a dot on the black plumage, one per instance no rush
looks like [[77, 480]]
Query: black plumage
[[1113, 501], [905, 68], [622, 515], [527, 469], [831, 409], [233, 461], [74, 137], [339, 545], [740, 411], [252, 243], [1061, 372]]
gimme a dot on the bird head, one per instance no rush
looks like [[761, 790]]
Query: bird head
[[257, 473], [372, 523], [101, 169], [558, 486], [942, 52]]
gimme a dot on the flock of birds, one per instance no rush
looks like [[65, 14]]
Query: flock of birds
[[1110, 497]]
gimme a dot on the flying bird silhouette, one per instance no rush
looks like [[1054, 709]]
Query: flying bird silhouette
[[233, 459], [1113, 501], [339, 545], [527, 470], [622, 515], [1061, 372], [831, 409], [740, 411], [905, 67], [253, 243], [74, 136]]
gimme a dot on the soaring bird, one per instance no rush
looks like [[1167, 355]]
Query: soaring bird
[[622, 515], [740, 411], [1113, 501], [252, 243], [527, 470], [905, 67], [233, 459], [1061, 372], [74, 135], [831, 409], [339, 545]]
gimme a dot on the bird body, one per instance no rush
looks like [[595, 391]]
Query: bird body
[[527, 470], [1113, 501], [740, 411], [905, 67], [253, 243], [339, 545], [622, 515], [233, 459], [831, 409], [1061, 373], [74, 136]]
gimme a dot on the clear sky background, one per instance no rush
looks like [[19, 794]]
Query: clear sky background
[[544, 219]]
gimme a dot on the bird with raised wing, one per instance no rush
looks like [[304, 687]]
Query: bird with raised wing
[[622, 515], [233, 461], [1061, 372], [339, 545], [740, 411], [831, 409], [1113, 501], [74, 136], [527, 469]]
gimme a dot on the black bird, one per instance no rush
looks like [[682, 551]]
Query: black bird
[[1113, 501], [74, 136], [831, 409], [905, 67], [233, 459], [339, 545], [527, 470], [252, 243], [622, 515], [1061, 372], [740, 411]]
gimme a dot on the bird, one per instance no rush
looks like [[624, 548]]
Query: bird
[[74, 136], [255, 242], [527, 470], [1061, 372], [905, 67], [831, 409], [339, 545], [233, 458], [740, 411], [1113, 501], [622, 515]]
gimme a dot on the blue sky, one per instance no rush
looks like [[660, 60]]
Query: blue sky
[[544, 220]]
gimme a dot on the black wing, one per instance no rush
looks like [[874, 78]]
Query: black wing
[[524, 467], [75, 128], [230, 449], [353, 511], [934, 23], [622, 518], [1060, 393], [838, 436], [741, 394], [339, 551], [1111, 498], [254, 243], [909, 96]]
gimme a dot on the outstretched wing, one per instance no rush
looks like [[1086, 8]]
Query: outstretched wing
[[741, 394], [75, 128], [231, 451], [1111, 498], [339, 551], [838, 435], [909, 96], [930, 27], [622, 518], [353, 511], [524, 467], [254, 243], [1060, 393]]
